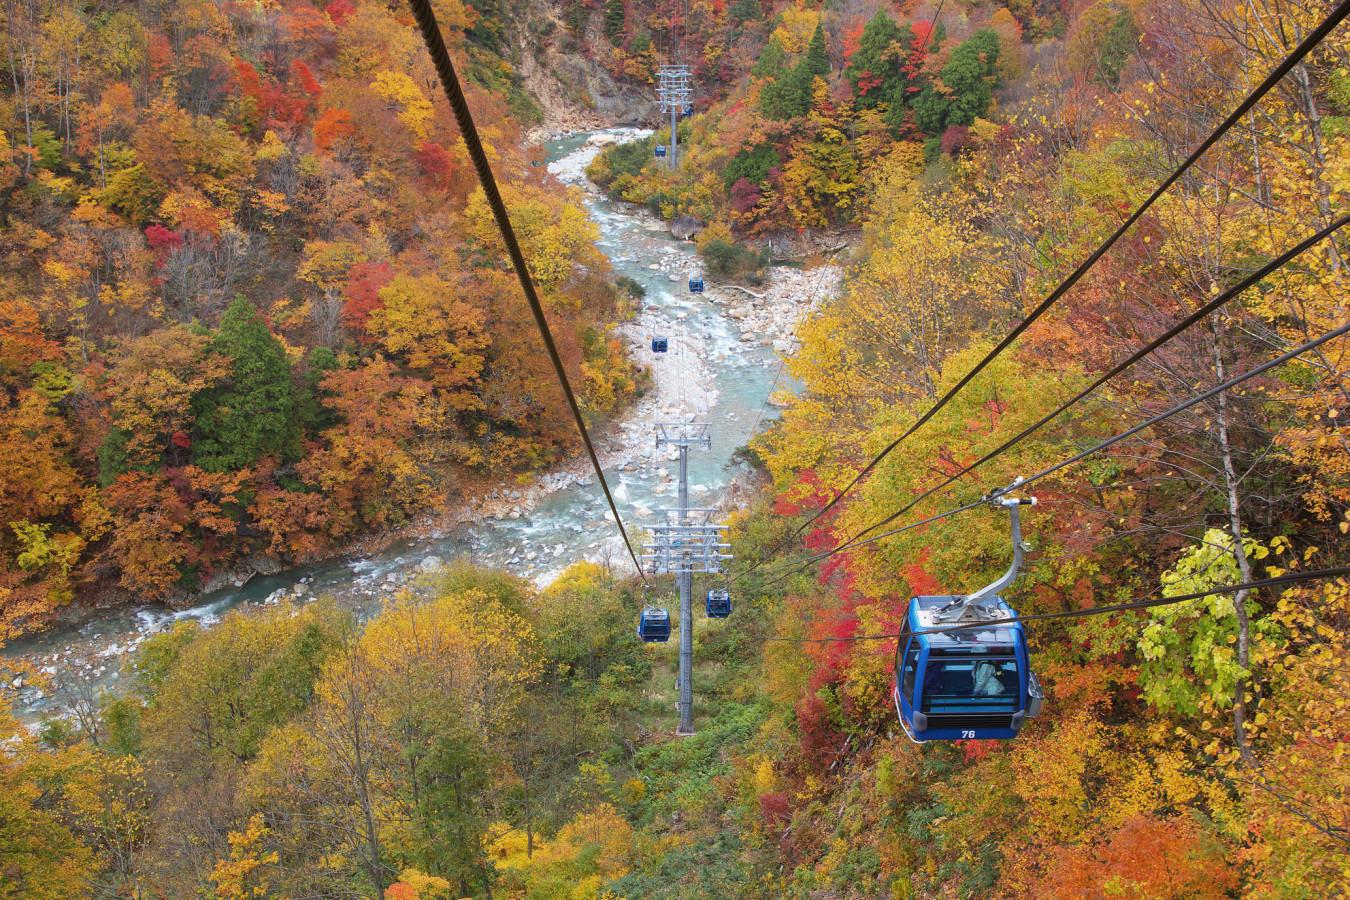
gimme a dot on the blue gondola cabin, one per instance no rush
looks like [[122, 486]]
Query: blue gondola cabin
[[660, 151], [696, 285], [654, 625], [974, 683], [660, 345], [717, 604]]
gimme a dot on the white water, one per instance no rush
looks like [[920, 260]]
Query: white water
[[712, 373]]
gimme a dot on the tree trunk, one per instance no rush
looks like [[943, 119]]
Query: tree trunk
[[1240, 555], [362, 773], [1318, 152], [529, 820]]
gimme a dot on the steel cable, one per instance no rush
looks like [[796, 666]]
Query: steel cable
[[1185, 324], [1077, 457], [1295, 56], [454, 92], [1291, 578]]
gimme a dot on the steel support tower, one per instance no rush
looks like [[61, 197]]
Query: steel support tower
[[685, 541], [674, 92]]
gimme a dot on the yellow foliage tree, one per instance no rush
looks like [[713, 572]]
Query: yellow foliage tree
[[555, 233], [415, 110], [244, 875], [41, 858], [796, 26], [425, 322]]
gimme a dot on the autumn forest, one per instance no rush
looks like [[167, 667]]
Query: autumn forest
[[256, 313]]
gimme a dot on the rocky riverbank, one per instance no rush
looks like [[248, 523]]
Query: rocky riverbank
[[718, 344], [682, 380]]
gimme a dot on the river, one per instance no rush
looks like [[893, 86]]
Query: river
[[714, 372]]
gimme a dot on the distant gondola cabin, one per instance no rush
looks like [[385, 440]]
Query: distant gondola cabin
[[654, 625], [717, 604], [660, 345]]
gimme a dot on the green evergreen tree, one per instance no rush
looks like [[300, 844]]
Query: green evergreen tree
[[772, 60], [449, 821], [252, 413], [614, 21], [122, 724], [969, 79], [753, 164], [789, 96], [575, 15], [310, 412], [874, 69], [113, 458], [930, 110], [744, 11], [817, 59], [1117, 44]]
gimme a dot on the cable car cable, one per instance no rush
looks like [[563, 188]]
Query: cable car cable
[[454, 92], [1077, 457], [1184, 325], [1178, 408], [1149, 603], [1295, 56]]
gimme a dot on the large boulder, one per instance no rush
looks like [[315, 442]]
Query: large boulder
[[685, 227]]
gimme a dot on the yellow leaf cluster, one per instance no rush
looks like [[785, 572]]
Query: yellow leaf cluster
[[415, 110]]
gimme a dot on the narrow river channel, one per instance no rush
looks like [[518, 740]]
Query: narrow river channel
[[714, 373]]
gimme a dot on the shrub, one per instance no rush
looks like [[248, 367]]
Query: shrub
[[725, 258]]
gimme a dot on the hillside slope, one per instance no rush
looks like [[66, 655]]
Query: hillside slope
[[251, 303], [484, 736]]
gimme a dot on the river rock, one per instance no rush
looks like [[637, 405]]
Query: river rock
[[685, 227], [236, 575], [431, 563]]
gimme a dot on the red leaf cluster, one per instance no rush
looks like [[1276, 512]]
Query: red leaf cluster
[[278, 108], [162, 240], [954, 138], [339, 10], [438, 167], [774, 808], [362, 294]]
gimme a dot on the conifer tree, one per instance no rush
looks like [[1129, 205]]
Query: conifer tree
[[252, 413], [789, 96], [969, 80], [771, 60], [614, 21], [817, 59], [874, 69]]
